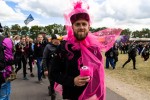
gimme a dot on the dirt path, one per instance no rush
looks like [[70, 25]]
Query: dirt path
[[126, 90]]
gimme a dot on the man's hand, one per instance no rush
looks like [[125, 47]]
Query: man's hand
[[35, 61], [81, 81], [22, 50]]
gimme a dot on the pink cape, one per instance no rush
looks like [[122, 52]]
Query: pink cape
[[91, 56]]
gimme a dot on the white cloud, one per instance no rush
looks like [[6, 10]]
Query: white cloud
[[48, 8], [9, 14], [109, 13], [123, 13]]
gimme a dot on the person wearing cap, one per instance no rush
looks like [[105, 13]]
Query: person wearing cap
[[48, 55], [80, 48], [48, 38]]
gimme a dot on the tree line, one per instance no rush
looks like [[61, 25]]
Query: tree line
[[16, 29]]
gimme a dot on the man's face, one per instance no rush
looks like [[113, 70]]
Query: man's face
[[81, 28], [55, 42]]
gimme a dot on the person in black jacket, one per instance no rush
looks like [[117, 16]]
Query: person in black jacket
[[110, 54], [48, 54], [145, 52], [116, 53], [38, 54], [131, 55]]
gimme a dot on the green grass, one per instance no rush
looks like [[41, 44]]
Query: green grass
[[139, 78]]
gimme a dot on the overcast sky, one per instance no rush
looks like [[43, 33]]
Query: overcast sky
[[132, 14]]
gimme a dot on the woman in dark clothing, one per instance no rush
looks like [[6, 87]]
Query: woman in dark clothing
[[21, 55], [30, 56]]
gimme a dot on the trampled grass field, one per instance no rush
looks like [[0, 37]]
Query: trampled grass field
[[139, 78]]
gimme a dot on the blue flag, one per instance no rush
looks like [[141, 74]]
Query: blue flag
[[29, 19]]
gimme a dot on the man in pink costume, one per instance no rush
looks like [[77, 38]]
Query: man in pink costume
[[82, 48]]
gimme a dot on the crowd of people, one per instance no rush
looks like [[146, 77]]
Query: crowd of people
[[26, 53], [132, 48]]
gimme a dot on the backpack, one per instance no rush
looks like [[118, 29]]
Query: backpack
[[51, 54], [4, 63], [145, 52], [111, 54], [2, 55], [131, 47]]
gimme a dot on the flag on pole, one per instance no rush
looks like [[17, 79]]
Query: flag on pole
[[29, 19]]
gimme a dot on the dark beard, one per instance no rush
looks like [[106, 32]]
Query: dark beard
[[80, 37]]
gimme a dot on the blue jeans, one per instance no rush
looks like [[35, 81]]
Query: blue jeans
[[5, 91], [39, 68], [110, 61]]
